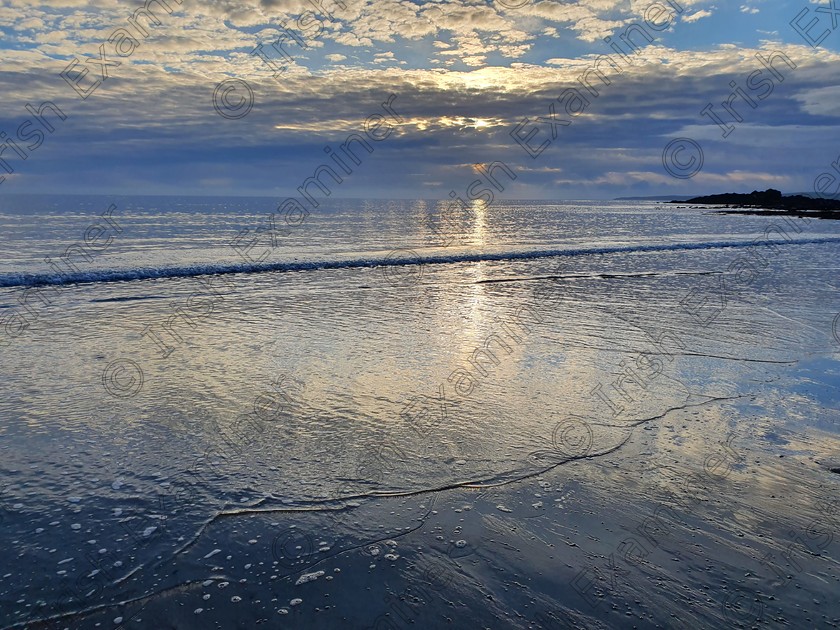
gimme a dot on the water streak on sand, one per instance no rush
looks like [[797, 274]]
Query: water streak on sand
[[150, 273]]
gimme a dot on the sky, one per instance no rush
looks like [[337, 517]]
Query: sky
[[196, 100]]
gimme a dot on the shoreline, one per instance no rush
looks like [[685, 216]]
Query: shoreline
[[819, 214]]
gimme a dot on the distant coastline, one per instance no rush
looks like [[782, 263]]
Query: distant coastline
[[668, 198], [770, 202]]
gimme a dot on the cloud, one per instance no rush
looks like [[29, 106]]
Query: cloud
[[823, 101], [465, 73], [698, 15]]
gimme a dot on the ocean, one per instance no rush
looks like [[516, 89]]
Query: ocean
[[387, 413]]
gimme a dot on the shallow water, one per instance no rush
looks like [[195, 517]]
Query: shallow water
[[559, 369]]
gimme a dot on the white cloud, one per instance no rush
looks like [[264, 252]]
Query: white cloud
[[468, 72], [699, 15]]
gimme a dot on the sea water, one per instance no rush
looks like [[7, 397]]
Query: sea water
[[210, 409]]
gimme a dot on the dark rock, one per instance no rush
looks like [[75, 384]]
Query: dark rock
[[771, 201]]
